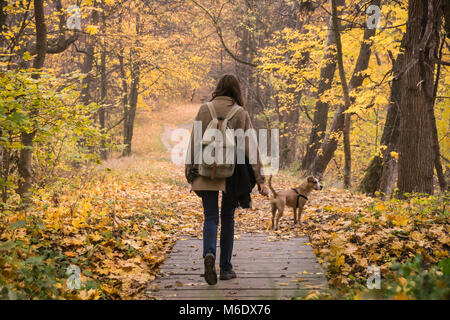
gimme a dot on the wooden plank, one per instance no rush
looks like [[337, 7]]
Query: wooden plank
[[249, 244], [262, 252], [275, 260], [243, 283], [241, 251], [255, 265], [241, 294], [196, 275], [265, 269]]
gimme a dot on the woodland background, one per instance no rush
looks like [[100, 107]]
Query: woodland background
[[85, 178]]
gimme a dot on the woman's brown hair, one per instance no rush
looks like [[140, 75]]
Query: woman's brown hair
[[228, 85]]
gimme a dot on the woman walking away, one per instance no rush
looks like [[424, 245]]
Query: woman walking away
[[225, 110]]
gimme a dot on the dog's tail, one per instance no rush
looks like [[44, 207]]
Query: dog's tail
[[275, 194]]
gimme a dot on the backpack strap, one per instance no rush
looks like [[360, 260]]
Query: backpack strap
[[232, 112], [212, 111], [230, 115], [215, 122]]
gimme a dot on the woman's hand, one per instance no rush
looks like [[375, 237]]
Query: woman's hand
[[263, 189]]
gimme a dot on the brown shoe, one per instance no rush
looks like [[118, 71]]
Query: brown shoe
[[227, 274], [210, 269]]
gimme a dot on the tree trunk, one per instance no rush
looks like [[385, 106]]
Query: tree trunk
[[446, 11], [124, 99], [88, 63], [248, 75], [416, 156], [25, 155], [3, 16], [289, 117], [320, 119], [436, 148], [347, 102], [102, 110], [41, 36], [330, 142], [86, 83], [86, 68], [130, 112], [347, 150], [103, 86], [131, 115], [381, 174], [288, 135]]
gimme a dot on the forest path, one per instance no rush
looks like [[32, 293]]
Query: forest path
[[265, 269]]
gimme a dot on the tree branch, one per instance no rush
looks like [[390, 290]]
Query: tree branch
[[219, 33]]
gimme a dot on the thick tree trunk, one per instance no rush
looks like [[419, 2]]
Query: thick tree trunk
[[416, 156], [330, 142], [25, 155]]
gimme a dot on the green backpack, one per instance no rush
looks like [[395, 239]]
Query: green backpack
[[219, 167]]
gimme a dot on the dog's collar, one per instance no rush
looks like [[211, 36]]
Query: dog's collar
[[299, 195]]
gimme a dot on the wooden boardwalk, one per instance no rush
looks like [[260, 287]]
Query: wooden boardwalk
[[265, 269]]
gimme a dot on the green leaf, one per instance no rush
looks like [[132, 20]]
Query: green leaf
[[17, 117], [18, 224], [445, 266], [7, 245], [38, 260]]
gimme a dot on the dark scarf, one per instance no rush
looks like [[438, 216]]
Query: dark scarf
[[240, 184]]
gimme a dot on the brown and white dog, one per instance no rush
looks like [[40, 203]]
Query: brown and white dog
[[295, 198]]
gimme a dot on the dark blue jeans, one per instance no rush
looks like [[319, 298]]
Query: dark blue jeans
[[211, 210]]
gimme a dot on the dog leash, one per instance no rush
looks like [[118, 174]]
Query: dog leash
[[299, 195]]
